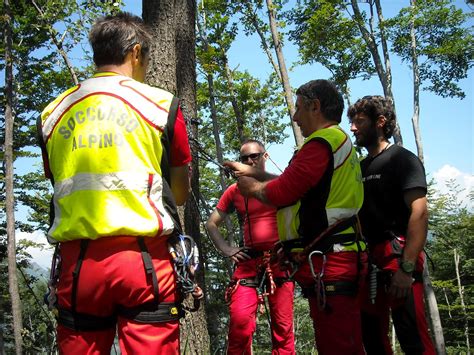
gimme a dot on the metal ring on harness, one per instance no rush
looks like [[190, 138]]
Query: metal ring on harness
[[185, 254], [320, 290]]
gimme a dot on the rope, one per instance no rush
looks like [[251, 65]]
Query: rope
[[40, 305]]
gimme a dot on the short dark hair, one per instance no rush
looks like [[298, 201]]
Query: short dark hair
[[113, 36], [250, 140], [375, 106], [329, 96]]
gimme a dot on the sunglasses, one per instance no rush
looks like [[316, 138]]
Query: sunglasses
[[253, 156]]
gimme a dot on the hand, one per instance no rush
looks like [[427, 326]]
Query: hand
[[236, 254], [247, 185], [239, 169], [197, 293], [401, 284]]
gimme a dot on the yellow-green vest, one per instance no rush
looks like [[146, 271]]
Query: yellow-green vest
[[338, 196], [104, 149]]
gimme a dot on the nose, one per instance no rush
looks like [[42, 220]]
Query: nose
[[353, 127]]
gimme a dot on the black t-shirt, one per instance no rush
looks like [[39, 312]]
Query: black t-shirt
[[387, 177]]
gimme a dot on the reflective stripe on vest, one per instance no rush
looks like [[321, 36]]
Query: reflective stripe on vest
[[103, 140], [346, 190]]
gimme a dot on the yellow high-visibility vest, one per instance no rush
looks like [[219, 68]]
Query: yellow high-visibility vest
[[103, 142], [323, 209]]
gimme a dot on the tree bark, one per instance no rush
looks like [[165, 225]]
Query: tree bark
[[9, 194], [433, 312], [239, 116], [251, 14], [384, 73], [173, 67], [416, 85], [283, 72], [58, 44], [461, 297], [159, 15]]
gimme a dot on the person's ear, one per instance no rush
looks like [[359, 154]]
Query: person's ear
[[381, 120], [266, 155], [316, 105], [136, 53]]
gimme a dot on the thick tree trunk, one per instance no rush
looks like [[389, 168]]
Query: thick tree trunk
[[9, 195], [173, 67], [283, 72], [160, 16]]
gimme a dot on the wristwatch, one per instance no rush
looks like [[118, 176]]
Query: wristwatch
[[407, 266]]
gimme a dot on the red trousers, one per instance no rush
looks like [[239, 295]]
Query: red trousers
[[113, 274], [337, 325], [243, 312], [408, 314]]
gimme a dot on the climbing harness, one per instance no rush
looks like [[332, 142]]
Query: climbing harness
[[291, 254]]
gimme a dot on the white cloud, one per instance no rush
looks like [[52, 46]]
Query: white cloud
[[42, 256], [464, 182]]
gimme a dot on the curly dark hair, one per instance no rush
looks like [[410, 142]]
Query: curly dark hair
[[329, 96], [375, 106], [113, 36]]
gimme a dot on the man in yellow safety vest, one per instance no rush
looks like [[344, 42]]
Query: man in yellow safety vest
[[117, 153]]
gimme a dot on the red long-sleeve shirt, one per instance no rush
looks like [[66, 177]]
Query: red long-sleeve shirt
[[304, 172]]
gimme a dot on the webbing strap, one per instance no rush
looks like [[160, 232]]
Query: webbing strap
[[325, 245], [85, 322], [250, 282], [76, 272], [345, 288], [151, 312], [148, 264]]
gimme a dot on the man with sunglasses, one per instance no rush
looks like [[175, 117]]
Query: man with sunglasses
[[253, 267], [394, 221], [319, 195]]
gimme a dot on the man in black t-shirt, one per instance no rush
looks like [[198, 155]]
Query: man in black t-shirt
[[394, 220]]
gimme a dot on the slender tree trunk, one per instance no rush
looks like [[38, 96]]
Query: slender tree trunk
[[283, 72], [433, 312], [9, 194], [239, 115], [220, 159], [250, 13], [58, 44], [447, 303], [173, 67], [397, 135], [416, 84], [461, 297], [384, 73]]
